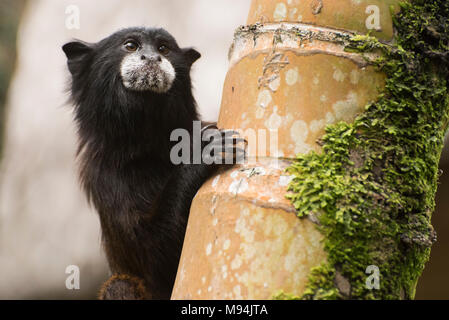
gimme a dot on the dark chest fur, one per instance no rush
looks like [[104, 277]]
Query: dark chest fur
[[125, 175]]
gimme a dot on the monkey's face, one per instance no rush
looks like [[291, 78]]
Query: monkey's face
[[150, 61], [146, 67], [141, 59]]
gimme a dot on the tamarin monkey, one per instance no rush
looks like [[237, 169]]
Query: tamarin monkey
[[130, 91]]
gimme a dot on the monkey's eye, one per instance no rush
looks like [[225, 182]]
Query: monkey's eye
[[131, 45], [163, 49]]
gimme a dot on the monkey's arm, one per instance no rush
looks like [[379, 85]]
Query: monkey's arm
[[208, 123]]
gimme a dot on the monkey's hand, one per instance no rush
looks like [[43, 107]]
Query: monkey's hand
[[222, 147]]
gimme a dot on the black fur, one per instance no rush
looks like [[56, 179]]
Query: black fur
[[143, 200]]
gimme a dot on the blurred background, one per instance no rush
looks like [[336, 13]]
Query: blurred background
[[45, 223]]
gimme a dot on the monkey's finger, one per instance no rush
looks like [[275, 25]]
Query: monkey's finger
[[232, 154], [235, 152], [229, 132], [240, 156], [209, 126], [236, 140], [229, 141]]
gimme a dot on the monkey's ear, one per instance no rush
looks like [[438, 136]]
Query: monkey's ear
[[191, 54], [75, 52]]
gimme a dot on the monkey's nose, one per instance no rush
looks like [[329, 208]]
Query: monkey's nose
[[151, 58]]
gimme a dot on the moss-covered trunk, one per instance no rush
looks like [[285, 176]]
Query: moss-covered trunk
[[372, 188]]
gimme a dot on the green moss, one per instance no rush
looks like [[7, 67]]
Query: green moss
[[281, 295], [373, 186]]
